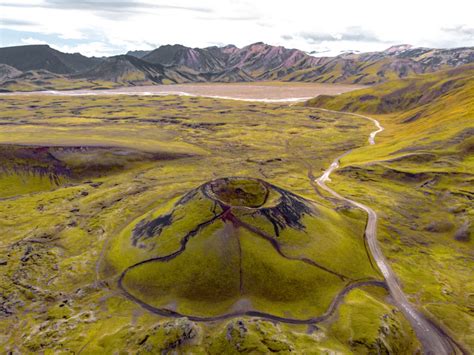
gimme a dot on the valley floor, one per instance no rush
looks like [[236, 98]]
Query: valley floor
[[258, 91], [77, 170]]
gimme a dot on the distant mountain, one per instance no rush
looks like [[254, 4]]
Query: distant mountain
[[138, 54], [260, 58], [200, 60], [377, 67], [260, 61], [37, 57], [130, 70], [255, 62], [254, 59]]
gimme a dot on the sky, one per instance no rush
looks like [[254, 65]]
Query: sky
[[104, 27]]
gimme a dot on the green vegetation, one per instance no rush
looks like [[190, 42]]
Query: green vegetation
[[359, 319], [419, 179], [124, 159]]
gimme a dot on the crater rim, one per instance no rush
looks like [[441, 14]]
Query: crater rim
[[238, 191]]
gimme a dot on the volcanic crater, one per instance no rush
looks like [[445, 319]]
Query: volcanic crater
[[240, 246]]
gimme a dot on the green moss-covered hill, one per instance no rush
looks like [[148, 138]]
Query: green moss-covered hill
[[234, 246]]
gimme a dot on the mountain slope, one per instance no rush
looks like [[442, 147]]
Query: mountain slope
[[403, 95], [377, 67], [8, 72], [222, 53], [133, 71], [259, 58], [234, 75], [35, 57], [197, 59], [355, 71], [39, 80]]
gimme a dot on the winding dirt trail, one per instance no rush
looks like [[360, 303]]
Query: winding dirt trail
[[431, 336], [164, 312]]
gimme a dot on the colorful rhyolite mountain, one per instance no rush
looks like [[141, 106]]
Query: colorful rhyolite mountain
[[255, 62]]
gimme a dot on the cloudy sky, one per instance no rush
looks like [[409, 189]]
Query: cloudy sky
[[105, 27]]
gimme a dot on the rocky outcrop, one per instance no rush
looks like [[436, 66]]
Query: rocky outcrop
[[8, 72]]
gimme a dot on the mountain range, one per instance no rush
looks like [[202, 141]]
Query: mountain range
[[170, 64]]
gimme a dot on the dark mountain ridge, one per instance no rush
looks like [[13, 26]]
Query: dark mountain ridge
[[35, 57]]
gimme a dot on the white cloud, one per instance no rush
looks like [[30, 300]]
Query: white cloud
[[116, 26], [30, 40], [97, 49]]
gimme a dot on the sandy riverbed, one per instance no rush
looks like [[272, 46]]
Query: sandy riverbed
[[266, 92]]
